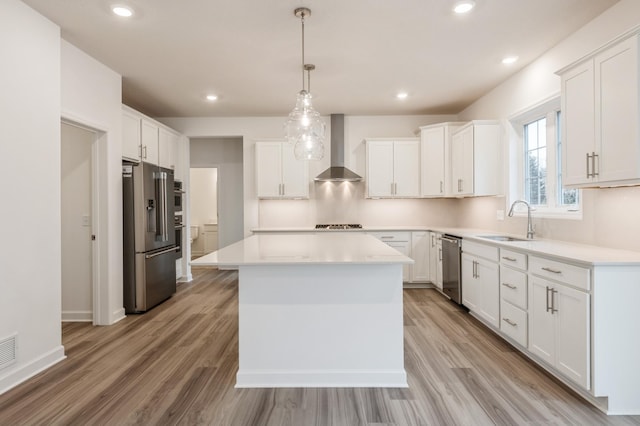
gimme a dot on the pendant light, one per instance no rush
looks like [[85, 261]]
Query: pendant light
[[304, 128]]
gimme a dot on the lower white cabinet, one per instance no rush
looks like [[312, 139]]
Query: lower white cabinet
[[400, 241], [420, 242], [559, 328], [480, 281], [210, 237], [437, 258]]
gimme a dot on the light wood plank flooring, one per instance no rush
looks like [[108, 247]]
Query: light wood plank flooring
[[176, 365]]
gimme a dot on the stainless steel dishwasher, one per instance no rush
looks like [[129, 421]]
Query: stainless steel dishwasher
[[451, 249]]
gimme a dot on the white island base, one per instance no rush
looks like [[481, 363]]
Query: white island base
[[321, 326], [317, 311]]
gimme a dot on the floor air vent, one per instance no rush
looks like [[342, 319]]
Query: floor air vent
[[7, 351]]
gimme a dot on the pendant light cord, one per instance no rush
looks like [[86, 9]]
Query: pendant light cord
[[302, 20]]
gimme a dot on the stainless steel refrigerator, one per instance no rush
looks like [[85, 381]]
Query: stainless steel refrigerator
[[149, 237]]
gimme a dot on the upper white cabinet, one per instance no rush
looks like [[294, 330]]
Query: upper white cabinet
[[435, 159], [278, 173], [476, 159], [600, 109], [144, 139], [131, 148], [393, 168], [149, 141], [167, 141]]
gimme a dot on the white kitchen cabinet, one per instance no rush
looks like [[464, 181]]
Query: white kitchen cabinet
[[419, 271], [167, 143], [433, 259], [480, 281], [131, 149], [513, 296], [210, 237], [559, 328], [600, 109], [149, 141], [144, 139], [435, 165], [278, 173], [439, 270], [393, 168], [400, 241], [476, 159]]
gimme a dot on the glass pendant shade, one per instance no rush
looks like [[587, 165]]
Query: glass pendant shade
[[305, 129]]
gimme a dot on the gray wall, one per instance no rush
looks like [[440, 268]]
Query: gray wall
[[226, 155]]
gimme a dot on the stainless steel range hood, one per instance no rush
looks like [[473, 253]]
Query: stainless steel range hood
[[337, 172]]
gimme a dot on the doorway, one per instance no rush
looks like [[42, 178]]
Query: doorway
[[226, 155], [203, 214], [77, 200]]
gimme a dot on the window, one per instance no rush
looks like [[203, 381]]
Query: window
[[536, 162]]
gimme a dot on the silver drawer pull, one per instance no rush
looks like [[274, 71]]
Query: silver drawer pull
[[510, 259], [387, 237], [553, 271], [511, 323], [511, 286]]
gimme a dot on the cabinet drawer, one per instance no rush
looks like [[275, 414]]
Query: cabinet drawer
[[513, 322], [392, 236], [572, 275], [513, 259], [513, 286], [480, 250]]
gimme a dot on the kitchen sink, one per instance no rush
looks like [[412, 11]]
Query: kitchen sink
[[501, 238]]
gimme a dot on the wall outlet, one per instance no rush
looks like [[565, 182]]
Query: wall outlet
[[500, 214], [86, 220]]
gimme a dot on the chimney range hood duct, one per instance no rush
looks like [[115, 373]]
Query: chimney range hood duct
[[337, 172]]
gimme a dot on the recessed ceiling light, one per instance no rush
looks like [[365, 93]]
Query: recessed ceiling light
[[464, 6], [122, 11], [402, 95], [509, 60], [212, 97]]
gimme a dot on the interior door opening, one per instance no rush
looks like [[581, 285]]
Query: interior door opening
[[77, 200]]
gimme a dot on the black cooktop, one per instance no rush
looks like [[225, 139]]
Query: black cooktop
[[339, 226]]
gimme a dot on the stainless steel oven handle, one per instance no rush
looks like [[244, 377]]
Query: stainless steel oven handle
[[151, 256]]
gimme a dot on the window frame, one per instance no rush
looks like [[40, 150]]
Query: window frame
[[548, 108]]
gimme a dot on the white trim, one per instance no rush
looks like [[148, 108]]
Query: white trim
[[321, 379], [118, 315], [77, 316], [100, 277], [15, 377], [543, 108]]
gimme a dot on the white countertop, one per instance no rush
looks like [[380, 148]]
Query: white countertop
[[321, 248], [581, 253]]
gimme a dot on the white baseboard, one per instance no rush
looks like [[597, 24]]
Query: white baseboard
[[321, 379], [13, 378], [77, 316], [118, 315]]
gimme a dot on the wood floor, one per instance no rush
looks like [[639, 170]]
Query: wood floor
[[176, 365]]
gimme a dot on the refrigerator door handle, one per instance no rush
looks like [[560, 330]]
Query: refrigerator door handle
[[161, 196], [151, 256]]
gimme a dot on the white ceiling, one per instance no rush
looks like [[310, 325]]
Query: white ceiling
[[172, 53]]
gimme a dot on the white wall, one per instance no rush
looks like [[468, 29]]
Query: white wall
[[92, 96], [203, 202], [610, 215], [226, 155], [30, 149], [321, 207], [77, 297]]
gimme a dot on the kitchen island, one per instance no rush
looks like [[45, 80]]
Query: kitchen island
[[317, 310]]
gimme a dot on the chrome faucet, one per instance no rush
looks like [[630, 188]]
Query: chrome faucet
[[530, 230]]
